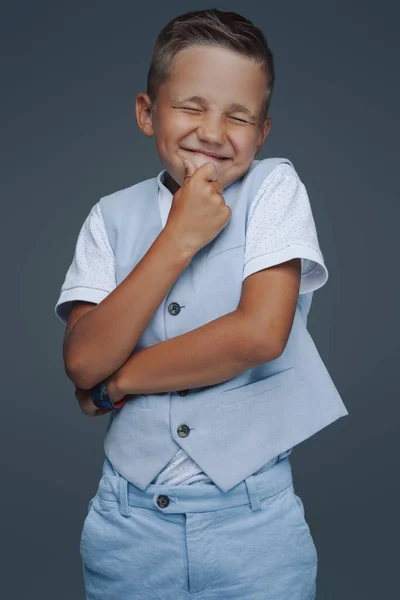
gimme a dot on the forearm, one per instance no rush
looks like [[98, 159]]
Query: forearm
[[104, 337], [204, 356]]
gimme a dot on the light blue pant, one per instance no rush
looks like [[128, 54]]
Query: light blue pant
[[197, 542]]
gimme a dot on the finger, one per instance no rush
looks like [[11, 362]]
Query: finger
[[90, 411], [87, 405], [218, 187], [102, 411], [190, 169], [208, 171]]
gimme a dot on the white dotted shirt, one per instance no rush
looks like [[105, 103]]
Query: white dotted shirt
[[280, 227]]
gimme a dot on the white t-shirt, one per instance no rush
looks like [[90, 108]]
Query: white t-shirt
[[280, 227]]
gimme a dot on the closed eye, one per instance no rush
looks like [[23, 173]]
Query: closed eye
[[197, 110]]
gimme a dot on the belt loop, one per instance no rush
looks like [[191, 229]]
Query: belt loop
[[253, 493], [123, 497]]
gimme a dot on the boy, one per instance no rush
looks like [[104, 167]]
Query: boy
[[186, 306]]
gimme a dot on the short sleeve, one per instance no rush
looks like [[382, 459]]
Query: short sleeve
[[281, 226], [91, 275]]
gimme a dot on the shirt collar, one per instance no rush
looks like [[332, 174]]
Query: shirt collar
[[162, 187]]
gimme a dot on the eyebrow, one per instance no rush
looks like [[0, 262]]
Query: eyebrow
[[233, 107]]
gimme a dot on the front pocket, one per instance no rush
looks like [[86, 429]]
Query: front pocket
[[300, 504], [107, 493], [104, 500], [298, 507], [85, 523], [101, 516], [249, 390]]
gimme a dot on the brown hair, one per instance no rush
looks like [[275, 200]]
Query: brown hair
[[208, 27]]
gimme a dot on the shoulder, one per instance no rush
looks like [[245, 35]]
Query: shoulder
[[269, 172], [276, 168], [272, 176]]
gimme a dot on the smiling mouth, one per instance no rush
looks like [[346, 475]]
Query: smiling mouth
[[217, 158]]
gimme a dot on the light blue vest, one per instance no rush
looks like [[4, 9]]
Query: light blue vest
[[233, 428]]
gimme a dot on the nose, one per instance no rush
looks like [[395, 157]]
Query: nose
[[211, 130]]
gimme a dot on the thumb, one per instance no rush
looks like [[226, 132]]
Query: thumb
[[189, 168]]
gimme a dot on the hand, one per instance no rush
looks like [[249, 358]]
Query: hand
[[198, 211], [87, 405], [86, 402]]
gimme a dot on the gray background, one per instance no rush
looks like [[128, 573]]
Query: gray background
[[70, 75]]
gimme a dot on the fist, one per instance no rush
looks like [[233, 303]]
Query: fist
[[198, 211]]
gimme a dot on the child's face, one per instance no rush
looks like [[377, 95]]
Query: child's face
[[180, 125]]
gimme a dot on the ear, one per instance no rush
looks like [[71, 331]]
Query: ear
[[266, 126], [143, 114]]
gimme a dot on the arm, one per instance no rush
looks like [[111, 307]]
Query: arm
[[255, 333], [102, 339], [280, 233]]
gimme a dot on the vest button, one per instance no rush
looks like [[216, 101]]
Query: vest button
[[162, 501], [183, 392], [183, 430], [174, 308]]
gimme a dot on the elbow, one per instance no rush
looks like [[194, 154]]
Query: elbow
[[78, 378], [77, 372], [81, 374], [75, 367], [268, 349], [255, 351]]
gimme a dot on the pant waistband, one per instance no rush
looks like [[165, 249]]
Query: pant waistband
[[196, 497]]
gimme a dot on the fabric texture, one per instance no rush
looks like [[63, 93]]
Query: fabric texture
[[164, 543], [280, 226]]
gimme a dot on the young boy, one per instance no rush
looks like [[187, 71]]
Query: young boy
[[186, 307]]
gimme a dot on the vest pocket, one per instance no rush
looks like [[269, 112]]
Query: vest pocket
[[248, 390], [219, 249]]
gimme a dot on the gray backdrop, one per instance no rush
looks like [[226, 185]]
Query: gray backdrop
[[70, 75]]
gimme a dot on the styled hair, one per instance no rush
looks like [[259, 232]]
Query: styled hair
[[207, 27]]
